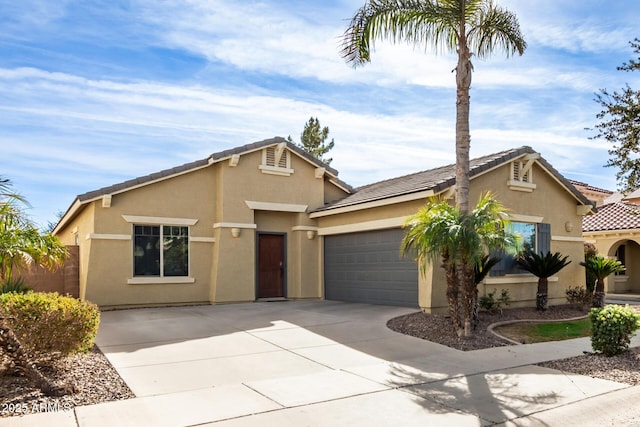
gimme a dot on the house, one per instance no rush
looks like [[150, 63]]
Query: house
[[615, 231], [595, 194], [267, 220]]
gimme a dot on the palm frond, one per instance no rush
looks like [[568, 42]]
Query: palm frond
[[416, 22], [542, 265], [484, 266], [494, 27], [602, 267]]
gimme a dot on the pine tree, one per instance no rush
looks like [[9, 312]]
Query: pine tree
[[313, 140]]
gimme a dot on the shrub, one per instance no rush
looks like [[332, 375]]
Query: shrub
[[15, 285], [489, 302], [49, 325], [612, 327], [580, 296]]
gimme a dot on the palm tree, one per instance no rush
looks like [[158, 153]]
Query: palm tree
[[21, 243], [601, 267], [543, 267], [460, 240], [467, 27]]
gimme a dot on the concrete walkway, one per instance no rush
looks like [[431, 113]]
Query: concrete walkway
[[323, 363]]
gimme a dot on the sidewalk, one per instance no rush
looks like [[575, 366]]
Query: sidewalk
[[330, 364]]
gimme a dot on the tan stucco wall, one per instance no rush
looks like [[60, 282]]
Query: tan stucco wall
[[222, 271], [372, 214], [556, 206], [235, 277], [111, 261], [332, 193], [81, 226]]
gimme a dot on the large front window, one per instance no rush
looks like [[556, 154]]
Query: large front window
[[161, 250], [531, 238]]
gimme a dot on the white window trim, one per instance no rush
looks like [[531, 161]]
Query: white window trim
[[155, 280], [276, 207], [161, 278], [98, 236], [274, 170], [234, 225], [202, 239], [514, 217], [157, 220], [515, 278]]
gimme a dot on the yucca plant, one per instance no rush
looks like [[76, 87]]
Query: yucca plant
[[601, 267], [543, 267], [15, 285]]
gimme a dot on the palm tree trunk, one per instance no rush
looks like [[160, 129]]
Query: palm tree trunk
[[453, 295], [468, 296], [599, 295], [463, 138], [542, 298]]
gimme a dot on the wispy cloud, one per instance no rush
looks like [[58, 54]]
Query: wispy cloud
[[82, 104]]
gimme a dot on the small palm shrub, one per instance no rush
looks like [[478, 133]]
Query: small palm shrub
[[490, 303], [15, 285], [601, 268], [580, 297], [542, 266], [50, 326], [612, 328]]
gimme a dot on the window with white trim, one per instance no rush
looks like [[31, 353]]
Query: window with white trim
[[160, 250], [531, 238]]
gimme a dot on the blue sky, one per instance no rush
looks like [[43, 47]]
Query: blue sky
[[97, 92]]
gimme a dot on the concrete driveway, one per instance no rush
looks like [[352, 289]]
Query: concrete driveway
[[320, 363]]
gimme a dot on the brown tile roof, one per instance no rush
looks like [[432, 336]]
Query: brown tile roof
[[440, 179], [589, 187], [123, 186], [614, 216]]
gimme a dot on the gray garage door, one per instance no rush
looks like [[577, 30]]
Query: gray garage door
[[367, 267]]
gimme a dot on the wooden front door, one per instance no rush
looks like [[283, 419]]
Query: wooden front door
[[271, 265]]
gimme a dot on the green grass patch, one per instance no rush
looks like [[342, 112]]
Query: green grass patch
[[533, 332]]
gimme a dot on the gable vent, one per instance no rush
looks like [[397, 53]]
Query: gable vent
[[272, 160], [517, 173], [276, 160]]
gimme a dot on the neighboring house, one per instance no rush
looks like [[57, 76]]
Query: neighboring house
[[633, 197], [267, 220], [595, 194], [615, 230]]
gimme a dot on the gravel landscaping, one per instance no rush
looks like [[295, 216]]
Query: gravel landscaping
[[91, 375], [624, 368]]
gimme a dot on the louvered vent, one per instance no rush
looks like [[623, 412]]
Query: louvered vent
[[270, 158], [517, 167]]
